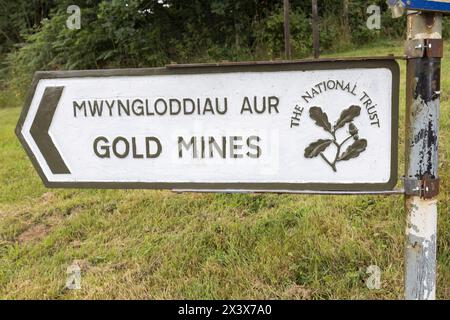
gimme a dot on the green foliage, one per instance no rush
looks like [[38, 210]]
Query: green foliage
[[111, 36], [270, 33], [149, 33], [19, 18]]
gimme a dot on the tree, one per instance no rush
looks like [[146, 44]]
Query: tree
[[345, 21]]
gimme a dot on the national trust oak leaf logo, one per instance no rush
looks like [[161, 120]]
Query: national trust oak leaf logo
[[318, 147]]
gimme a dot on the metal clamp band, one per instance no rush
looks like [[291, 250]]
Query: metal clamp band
[[426, 188], [428, 48]]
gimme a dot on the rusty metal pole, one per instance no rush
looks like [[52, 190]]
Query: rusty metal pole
[[424, 48], [287, 30], [315, 28]]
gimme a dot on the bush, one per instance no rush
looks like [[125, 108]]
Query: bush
[[270, 34], [147, 33]]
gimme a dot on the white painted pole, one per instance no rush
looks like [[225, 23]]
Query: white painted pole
[[420, 275], [424, 44]]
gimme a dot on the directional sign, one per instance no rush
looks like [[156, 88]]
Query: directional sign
[[428, 5], [327, 125]]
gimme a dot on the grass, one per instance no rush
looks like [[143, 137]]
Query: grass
[[157, 244]]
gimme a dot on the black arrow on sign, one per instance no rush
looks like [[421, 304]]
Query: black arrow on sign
[[41, 125]]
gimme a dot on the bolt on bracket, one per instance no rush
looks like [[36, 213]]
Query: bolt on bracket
[[424, 48], [427, 188]]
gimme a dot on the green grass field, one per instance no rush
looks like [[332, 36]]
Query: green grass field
[[160, 245]]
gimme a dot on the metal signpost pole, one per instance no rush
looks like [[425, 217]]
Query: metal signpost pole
[[424, 48]]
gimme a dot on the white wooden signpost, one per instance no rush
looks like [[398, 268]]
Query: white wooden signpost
[[324, 126]]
